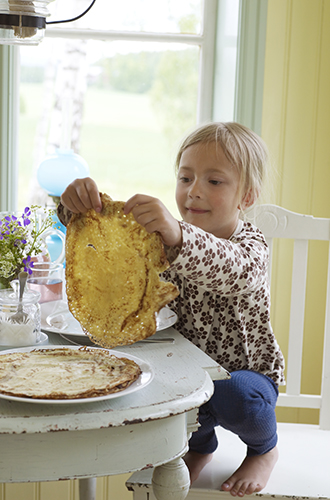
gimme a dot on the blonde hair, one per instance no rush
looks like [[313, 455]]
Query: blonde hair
[[243, 148]]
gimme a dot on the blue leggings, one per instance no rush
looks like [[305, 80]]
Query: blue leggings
[[244, 404]]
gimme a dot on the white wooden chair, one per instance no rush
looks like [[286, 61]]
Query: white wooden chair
[[303, 468]]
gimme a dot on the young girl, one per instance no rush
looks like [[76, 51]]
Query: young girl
[[219, 264]]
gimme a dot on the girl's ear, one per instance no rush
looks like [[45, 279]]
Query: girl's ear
[[247, 200]]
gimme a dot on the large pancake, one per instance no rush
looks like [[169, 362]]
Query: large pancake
[[112, 275], [65, 373]]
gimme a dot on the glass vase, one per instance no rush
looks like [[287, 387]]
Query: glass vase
[[27, 330]]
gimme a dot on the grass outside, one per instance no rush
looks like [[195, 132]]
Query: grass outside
[[121, 140]]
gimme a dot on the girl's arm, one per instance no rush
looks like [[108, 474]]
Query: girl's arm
[[229, 267]]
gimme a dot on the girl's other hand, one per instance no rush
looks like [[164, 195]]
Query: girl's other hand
[[81, 195], [154, 217]]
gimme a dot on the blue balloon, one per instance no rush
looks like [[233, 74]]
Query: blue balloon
[[57, 171]]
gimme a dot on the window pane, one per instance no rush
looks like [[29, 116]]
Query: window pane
[[225, 69], [166, 16], [129, 105]]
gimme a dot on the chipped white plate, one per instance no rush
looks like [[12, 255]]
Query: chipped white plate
[[144, 379]]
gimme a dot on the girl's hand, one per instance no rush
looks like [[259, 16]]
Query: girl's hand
[[154, 217], [81, 195]]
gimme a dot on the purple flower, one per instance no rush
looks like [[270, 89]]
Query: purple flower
[[19, 242], [28, 265], [25, 215]]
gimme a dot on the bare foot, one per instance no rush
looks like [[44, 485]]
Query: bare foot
[[252, 475], [196, 463]]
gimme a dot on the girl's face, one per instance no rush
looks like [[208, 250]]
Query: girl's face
[[207, 190]]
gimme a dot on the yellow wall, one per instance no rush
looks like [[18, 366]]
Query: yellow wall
[[110, 488], [296, 127], [296, 109]]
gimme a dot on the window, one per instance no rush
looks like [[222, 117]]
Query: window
[[125, 104], [145, 73], [127, 96]]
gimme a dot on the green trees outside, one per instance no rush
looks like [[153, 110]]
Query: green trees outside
[[170, 78]]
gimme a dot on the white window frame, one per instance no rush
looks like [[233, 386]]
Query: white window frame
[[9, 116], [248, 88], [206, 42]]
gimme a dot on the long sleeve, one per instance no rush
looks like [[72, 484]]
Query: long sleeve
[[231, 267], [224, 301]]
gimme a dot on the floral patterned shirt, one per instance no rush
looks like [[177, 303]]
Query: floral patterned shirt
[[224, 301]]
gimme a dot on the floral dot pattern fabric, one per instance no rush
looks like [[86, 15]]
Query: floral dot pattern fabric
[[224, 301]]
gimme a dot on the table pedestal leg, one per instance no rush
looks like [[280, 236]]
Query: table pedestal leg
[[87, 488], [171, 481]]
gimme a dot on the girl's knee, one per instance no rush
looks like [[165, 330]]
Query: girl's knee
[[245, 396], [247, 385]]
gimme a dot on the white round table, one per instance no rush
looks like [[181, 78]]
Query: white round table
[[147, 428]]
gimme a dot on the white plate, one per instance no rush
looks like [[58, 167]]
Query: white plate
[[144, 379], [165, 318], [56, 318]]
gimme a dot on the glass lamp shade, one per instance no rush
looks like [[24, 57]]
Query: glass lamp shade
[[57, 171], [23, 22]]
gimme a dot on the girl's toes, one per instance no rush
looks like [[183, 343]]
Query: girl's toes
[[238, 489], [252, 488]]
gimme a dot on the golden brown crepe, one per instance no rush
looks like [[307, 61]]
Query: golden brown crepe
[[64, 373], [112, 275]]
